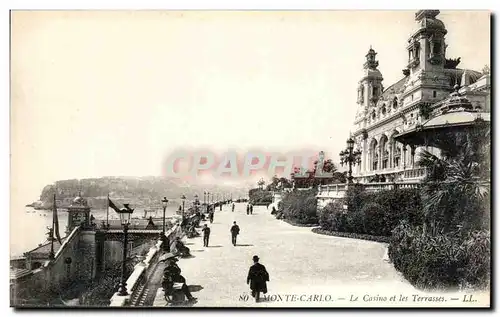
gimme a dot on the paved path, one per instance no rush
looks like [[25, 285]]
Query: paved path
[[298, 261]]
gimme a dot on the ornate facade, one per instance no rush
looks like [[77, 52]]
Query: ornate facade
[[429, 81]]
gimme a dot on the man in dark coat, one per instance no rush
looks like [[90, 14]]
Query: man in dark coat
[[235, 231], [251, 209], [206, 235], [248, 209], [211, 216], [257, 278]]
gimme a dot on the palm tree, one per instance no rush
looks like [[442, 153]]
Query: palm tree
[[457, 186]]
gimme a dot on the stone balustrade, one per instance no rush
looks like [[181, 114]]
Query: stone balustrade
[[415, 173], [143, 271], [329, 193]]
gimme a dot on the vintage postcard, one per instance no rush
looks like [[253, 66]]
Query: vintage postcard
[[250, 159]]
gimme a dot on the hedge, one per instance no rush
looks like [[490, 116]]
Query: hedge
[[351, 235], [299, 207], [375, 214]]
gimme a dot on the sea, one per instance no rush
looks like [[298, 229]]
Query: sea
[[29, 227]]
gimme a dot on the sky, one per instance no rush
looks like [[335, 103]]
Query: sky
[[102, 93]]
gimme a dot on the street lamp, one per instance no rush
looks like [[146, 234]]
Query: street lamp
[[164, 203], [183, 197], [350, 157], [125, 214]]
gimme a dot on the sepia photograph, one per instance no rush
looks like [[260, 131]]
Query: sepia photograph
[[250, 159]]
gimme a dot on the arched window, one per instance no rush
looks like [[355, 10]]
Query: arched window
[[384, 111], [395, 102], [373, 155], [373, 115], [384, 152]]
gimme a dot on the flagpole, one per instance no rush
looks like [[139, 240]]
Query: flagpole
[[51, 255], [107, 211]]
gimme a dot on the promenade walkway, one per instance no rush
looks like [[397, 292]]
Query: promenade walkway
[[299, 262]]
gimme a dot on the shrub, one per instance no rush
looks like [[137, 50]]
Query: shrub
[[355, 221], [260, 197], [374, 220], [443, 261], [380, 212], [332, 217], [299, 206]]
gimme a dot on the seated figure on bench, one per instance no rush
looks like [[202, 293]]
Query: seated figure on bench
[[172, 278], [178, 248]]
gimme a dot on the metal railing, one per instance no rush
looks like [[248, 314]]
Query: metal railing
[[339, 190]]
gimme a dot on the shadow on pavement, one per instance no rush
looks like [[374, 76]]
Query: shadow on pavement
[[243, 245], [195, 288], [197, 250], [215, 246]]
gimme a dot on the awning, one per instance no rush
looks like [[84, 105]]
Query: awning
[[455, 121]]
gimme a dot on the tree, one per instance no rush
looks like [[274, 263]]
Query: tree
[[456, 189], [279, 183], [311, 180]]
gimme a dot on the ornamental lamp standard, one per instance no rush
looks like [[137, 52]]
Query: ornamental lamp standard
[[350, 157], [208, 200], [183, 197], [196, 202], [125, 214], [164, 203]]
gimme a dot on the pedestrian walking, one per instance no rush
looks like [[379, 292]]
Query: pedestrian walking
[[206, 235], [211, 216], [257, 278], [251, 209], [232, 208], [220, 207], [235, 231], [248, 209]]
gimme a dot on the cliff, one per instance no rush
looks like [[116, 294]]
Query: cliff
[[138, 191]]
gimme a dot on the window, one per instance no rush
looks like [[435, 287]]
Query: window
[[411, 97], [434, 94], [373, 115], [375, 91], [395, 102], [383, 110], [375, 161]]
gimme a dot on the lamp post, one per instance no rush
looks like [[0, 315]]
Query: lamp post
[[350, 157], [125, 214], [196, 202], [208, 199], [183, 197], [164, 203]]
